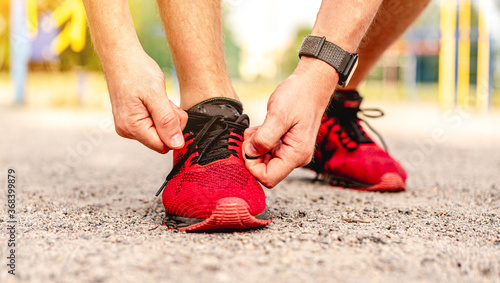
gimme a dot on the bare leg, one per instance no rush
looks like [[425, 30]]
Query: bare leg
[[391, 21], [194, 33]]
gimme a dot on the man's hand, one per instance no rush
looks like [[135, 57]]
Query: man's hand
[[286, 138], [136, 83], [141, 108]]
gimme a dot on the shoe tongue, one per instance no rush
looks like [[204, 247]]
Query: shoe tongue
[[347, 99], [228, 108], [344, 103]]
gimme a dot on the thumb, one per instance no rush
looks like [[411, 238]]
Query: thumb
[[181, 114], [266, 137], [167, 122]]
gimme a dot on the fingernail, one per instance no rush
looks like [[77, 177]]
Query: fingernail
[[177, 140], [250, 152]]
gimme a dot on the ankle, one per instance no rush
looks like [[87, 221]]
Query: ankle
[[189, 98]]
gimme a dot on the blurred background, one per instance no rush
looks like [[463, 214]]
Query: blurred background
[[86, 207], [448, 59]]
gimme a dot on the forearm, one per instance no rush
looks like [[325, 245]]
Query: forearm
[[343, 22], [112, 30]]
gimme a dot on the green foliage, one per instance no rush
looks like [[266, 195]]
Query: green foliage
[[290, 58], [232, 52], [87, 58], [149, 31]]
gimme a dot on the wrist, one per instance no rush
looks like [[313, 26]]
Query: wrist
[[321, 77], [116, 56], [345, 22], [344, 41]]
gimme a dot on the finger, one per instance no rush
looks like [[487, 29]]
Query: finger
[[183, 116], [266, 137], [267, 157], [249, 132], [270, 170], [146, 134], [166, 121]]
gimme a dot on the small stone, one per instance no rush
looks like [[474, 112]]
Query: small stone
[[323, 233]]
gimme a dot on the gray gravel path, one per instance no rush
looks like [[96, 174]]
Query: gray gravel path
[[87, 213]]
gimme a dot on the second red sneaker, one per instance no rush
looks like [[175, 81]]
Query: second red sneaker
[[346, 156], [209, 187]]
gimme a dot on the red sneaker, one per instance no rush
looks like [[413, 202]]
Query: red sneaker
[[346, 156], [209, 187]]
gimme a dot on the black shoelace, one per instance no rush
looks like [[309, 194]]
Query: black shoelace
[[347, 119], [216, 140], [379, 115]]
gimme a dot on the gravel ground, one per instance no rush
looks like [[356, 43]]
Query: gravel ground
[[86, 210]]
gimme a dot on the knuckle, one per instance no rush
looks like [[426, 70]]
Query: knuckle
[[305, 156], [183, 115], [306, 161], [121, 129], [167, 120], [282, 112], [279, 117], [268, 183], [155, 88], [164, 150], [120, 132], [272, 183], [263, 141]]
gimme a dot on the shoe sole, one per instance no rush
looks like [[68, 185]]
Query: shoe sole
[[227, 216], [390, 182]]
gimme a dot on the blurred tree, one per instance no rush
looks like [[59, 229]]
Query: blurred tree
[[232, 51], [4, 34], [150, 32], [87, 58], [290, 57]]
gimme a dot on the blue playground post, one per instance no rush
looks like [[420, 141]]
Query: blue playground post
[[20, 48]]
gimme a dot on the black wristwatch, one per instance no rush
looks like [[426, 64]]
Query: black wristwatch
[[344, 62]]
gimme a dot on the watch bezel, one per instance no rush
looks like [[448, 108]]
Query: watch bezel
[[348, 71]]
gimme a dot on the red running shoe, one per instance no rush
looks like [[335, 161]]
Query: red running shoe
[[346, 156], [209, 187]]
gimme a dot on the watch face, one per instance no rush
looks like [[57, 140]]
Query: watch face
[[351, 72]]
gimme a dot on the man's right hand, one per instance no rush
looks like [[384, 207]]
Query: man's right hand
[[141, 108]]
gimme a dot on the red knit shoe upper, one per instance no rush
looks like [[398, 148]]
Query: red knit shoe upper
[[210, 167], [344, 150]]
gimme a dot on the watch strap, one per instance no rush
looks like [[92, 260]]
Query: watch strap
[[343, 61], [318, 47]]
